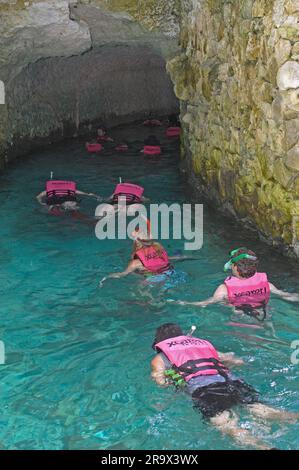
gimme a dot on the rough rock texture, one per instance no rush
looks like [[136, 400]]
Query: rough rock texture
[[65, 64], [238, 81], [162, 15], [56, 98]]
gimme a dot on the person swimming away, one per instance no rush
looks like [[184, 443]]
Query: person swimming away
[[152, 122], [148, 257], [247, 290], [122, 146], [62, 196], [173, 121], [102, 135], [151, 146], [195, 366], [131, 193], [93, 147], [174, 126]]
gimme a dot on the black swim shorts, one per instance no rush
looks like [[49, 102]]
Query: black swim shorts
[[220, 396]]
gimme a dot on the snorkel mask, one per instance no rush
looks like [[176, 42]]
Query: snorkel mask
[[234, 259]]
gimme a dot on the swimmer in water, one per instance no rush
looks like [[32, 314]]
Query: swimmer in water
[[102, 135], [195, 366], [152, 146], [122, 146], [173, 121], [132, 193], [152, 122], [62, 196], [246, 289], [148, 257]]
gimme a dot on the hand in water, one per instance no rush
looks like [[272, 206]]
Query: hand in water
[[178, 302], [101, 283], [96, 196]]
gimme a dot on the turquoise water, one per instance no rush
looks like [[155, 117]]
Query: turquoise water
[[77, 366]]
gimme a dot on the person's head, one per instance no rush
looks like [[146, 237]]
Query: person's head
[[101, 131], [70, 206], [151, 140], [243, 263], [166, 331], [173, 119]]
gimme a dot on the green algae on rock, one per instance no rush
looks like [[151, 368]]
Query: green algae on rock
[[238, 81]]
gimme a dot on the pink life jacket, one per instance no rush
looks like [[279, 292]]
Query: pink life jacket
[[103, 138], [59, 191], [122, 148], [152, 261], [254, 291], [192, 357], [152, 150], [173, 132], [132, 192], [93, 148]]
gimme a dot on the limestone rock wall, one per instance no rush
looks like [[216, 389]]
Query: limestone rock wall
[[162, 15], [238, 81], [67, 63]]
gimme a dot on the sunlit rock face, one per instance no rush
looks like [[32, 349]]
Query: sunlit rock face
[[66, 64], [237, 77]]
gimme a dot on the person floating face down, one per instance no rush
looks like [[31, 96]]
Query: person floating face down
[[62, 196], [246, 289], [196, 367], [129, 193]]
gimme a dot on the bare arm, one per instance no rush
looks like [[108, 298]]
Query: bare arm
[[181, 258], [230, 359], [158, 370], [284, 295], [220, 295], [40, 197], [82, 193], [132, 266]]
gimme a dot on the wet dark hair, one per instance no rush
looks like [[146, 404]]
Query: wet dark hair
[[166, 331], [246, 267], [151, 140], [173, 120]]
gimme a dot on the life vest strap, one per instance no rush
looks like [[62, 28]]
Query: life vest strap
[[61, 192], [60, 196], [131, 198], [253, 311], [192, 366]]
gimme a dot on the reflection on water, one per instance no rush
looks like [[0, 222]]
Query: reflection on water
[[77, 372]]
